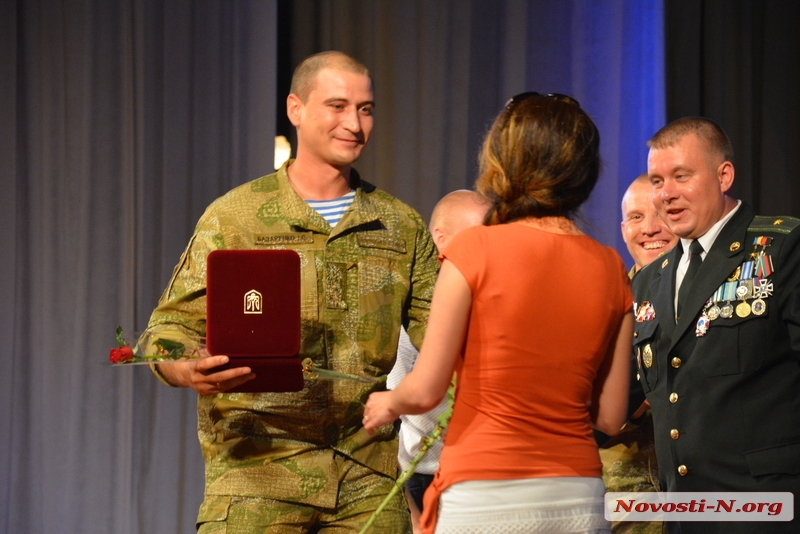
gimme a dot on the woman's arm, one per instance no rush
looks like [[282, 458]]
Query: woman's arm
[[610, 396], [428, 381]]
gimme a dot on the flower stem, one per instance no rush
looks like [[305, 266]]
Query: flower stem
[[425, 444]]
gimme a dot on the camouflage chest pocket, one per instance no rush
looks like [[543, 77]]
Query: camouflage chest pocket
[[382, 269], [383, 284], [308, 247], [645, 352]]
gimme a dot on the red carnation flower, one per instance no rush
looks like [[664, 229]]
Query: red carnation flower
[[121, 354]]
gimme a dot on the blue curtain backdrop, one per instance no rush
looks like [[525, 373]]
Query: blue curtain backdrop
[[120, 120], [443, 70], [615, 55]]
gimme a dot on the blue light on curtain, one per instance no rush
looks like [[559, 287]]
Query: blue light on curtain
[[610, 56]]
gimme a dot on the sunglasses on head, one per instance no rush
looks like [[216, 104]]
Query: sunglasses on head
[[530, 94]]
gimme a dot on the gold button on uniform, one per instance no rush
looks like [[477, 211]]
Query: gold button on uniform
[[674, 433], [647, 356], [676, 362], [673, 398], [683, 470]]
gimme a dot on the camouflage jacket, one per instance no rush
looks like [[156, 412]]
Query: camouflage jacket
[[360, 282]]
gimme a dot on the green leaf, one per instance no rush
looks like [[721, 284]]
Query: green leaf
[[169, 348], [120, 338]]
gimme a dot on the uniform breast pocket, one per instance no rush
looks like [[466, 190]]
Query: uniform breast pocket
[[382, 292], [645, 352], [720, 351], [383, 277], [377, 281]]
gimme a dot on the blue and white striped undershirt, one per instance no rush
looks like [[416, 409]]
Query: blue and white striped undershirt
[[332, 210]]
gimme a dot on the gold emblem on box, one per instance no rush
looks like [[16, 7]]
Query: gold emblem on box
[[252, 302]]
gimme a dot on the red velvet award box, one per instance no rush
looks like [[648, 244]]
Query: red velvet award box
[[253, 315]]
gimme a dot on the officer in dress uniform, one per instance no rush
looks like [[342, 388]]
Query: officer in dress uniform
[[717, 332]]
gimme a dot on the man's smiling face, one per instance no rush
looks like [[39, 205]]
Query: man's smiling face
[[335, 122], [689, 184], [645, 234]]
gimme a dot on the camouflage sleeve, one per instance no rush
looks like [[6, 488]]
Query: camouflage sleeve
[[180, 314], [424, 270]]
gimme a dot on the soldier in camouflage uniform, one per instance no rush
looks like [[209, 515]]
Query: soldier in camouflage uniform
[[302, 462]]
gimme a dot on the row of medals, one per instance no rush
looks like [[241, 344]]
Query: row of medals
[[741, 285]]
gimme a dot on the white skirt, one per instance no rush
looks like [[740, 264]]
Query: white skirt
[[555, 505]]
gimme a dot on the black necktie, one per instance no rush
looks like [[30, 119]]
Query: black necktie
[[695, 259]]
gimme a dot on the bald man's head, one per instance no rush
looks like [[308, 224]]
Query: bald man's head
[[455, 212], [644, 233]]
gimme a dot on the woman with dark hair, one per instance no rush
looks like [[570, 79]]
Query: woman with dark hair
[[535, 318]]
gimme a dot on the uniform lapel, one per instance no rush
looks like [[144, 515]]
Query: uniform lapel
[[662, 291], [725, 255]]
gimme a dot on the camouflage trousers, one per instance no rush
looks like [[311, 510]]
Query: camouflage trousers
[[629, 464], [360, 492]]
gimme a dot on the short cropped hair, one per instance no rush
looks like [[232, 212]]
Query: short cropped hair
[[707, 130], [305, 75], [540, 158]]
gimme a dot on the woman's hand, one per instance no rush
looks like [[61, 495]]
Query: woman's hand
[[378, 411], [426, 385]]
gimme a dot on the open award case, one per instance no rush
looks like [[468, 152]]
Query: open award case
[[253, 316]]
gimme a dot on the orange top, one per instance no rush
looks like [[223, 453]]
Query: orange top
[[545, 311]]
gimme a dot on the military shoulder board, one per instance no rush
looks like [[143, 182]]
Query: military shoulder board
[[781, 225]]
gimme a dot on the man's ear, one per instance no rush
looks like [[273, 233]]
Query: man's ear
[[294, 109], [438, 237], [726, 173]]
